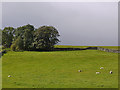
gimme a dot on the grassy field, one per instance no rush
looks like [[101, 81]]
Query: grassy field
[[69, 46], [110, 47], [0, 73], [59, 69]]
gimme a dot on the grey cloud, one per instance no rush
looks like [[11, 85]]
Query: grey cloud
[[79, 23]]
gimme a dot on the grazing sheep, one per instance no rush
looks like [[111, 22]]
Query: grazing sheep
[[111, 72], [101, 68], [79, 71], [9, 75], [97, 72]]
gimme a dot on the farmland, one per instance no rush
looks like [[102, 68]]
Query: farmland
[[70, 46], [59, 69], [0, 73]]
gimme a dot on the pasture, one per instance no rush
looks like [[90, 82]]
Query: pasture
[[70, 46], [0, 73], [59, 69]]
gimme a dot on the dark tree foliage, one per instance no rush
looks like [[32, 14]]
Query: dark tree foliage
[[45, 38], [26, 33], [28, 38], [18, 44], [0, 37], [7, 36]]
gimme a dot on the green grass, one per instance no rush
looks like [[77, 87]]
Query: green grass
[[0, 70], [110, 47], [70, 46], [59, 69], [0, 73]]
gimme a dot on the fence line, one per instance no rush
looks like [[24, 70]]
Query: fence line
[[108, 50]]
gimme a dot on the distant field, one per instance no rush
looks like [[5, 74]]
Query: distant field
[[69, 46], [110, 47], [59, 69]]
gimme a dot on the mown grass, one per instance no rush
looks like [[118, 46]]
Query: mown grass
[[59, 69]]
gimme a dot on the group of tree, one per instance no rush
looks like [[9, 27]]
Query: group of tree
[[28, 38], [0, 37]]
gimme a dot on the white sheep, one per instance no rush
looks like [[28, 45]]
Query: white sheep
[[111, 72], [79, 71], [9, 75], [101, 68], [97, 72]]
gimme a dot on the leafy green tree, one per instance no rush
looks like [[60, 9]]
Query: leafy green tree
[[18, 44], [28, 39], [25, 32], [7, 36], [21, 30], [45, 38], [0, 37]]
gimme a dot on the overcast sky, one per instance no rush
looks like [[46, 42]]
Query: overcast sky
[[79, 23]]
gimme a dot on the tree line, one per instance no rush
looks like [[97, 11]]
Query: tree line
[[28, 38]]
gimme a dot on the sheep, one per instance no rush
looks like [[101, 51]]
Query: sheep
[[79, 71], [101, 68], [97, 72], [111, 72], [9, 75]]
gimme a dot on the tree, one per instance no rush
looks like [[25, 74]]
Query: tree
[[45, 38], [28, 39], [26, 33], [21, 30], [18, 44], [0, 37], [7, 36]]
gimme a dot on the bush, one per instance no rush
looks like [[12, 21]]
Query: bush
[[17, 45], [3, 47], [13, 47]]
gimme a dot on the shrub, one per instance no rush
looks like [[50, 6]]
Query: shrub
[[13, 47], [17, 45]]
